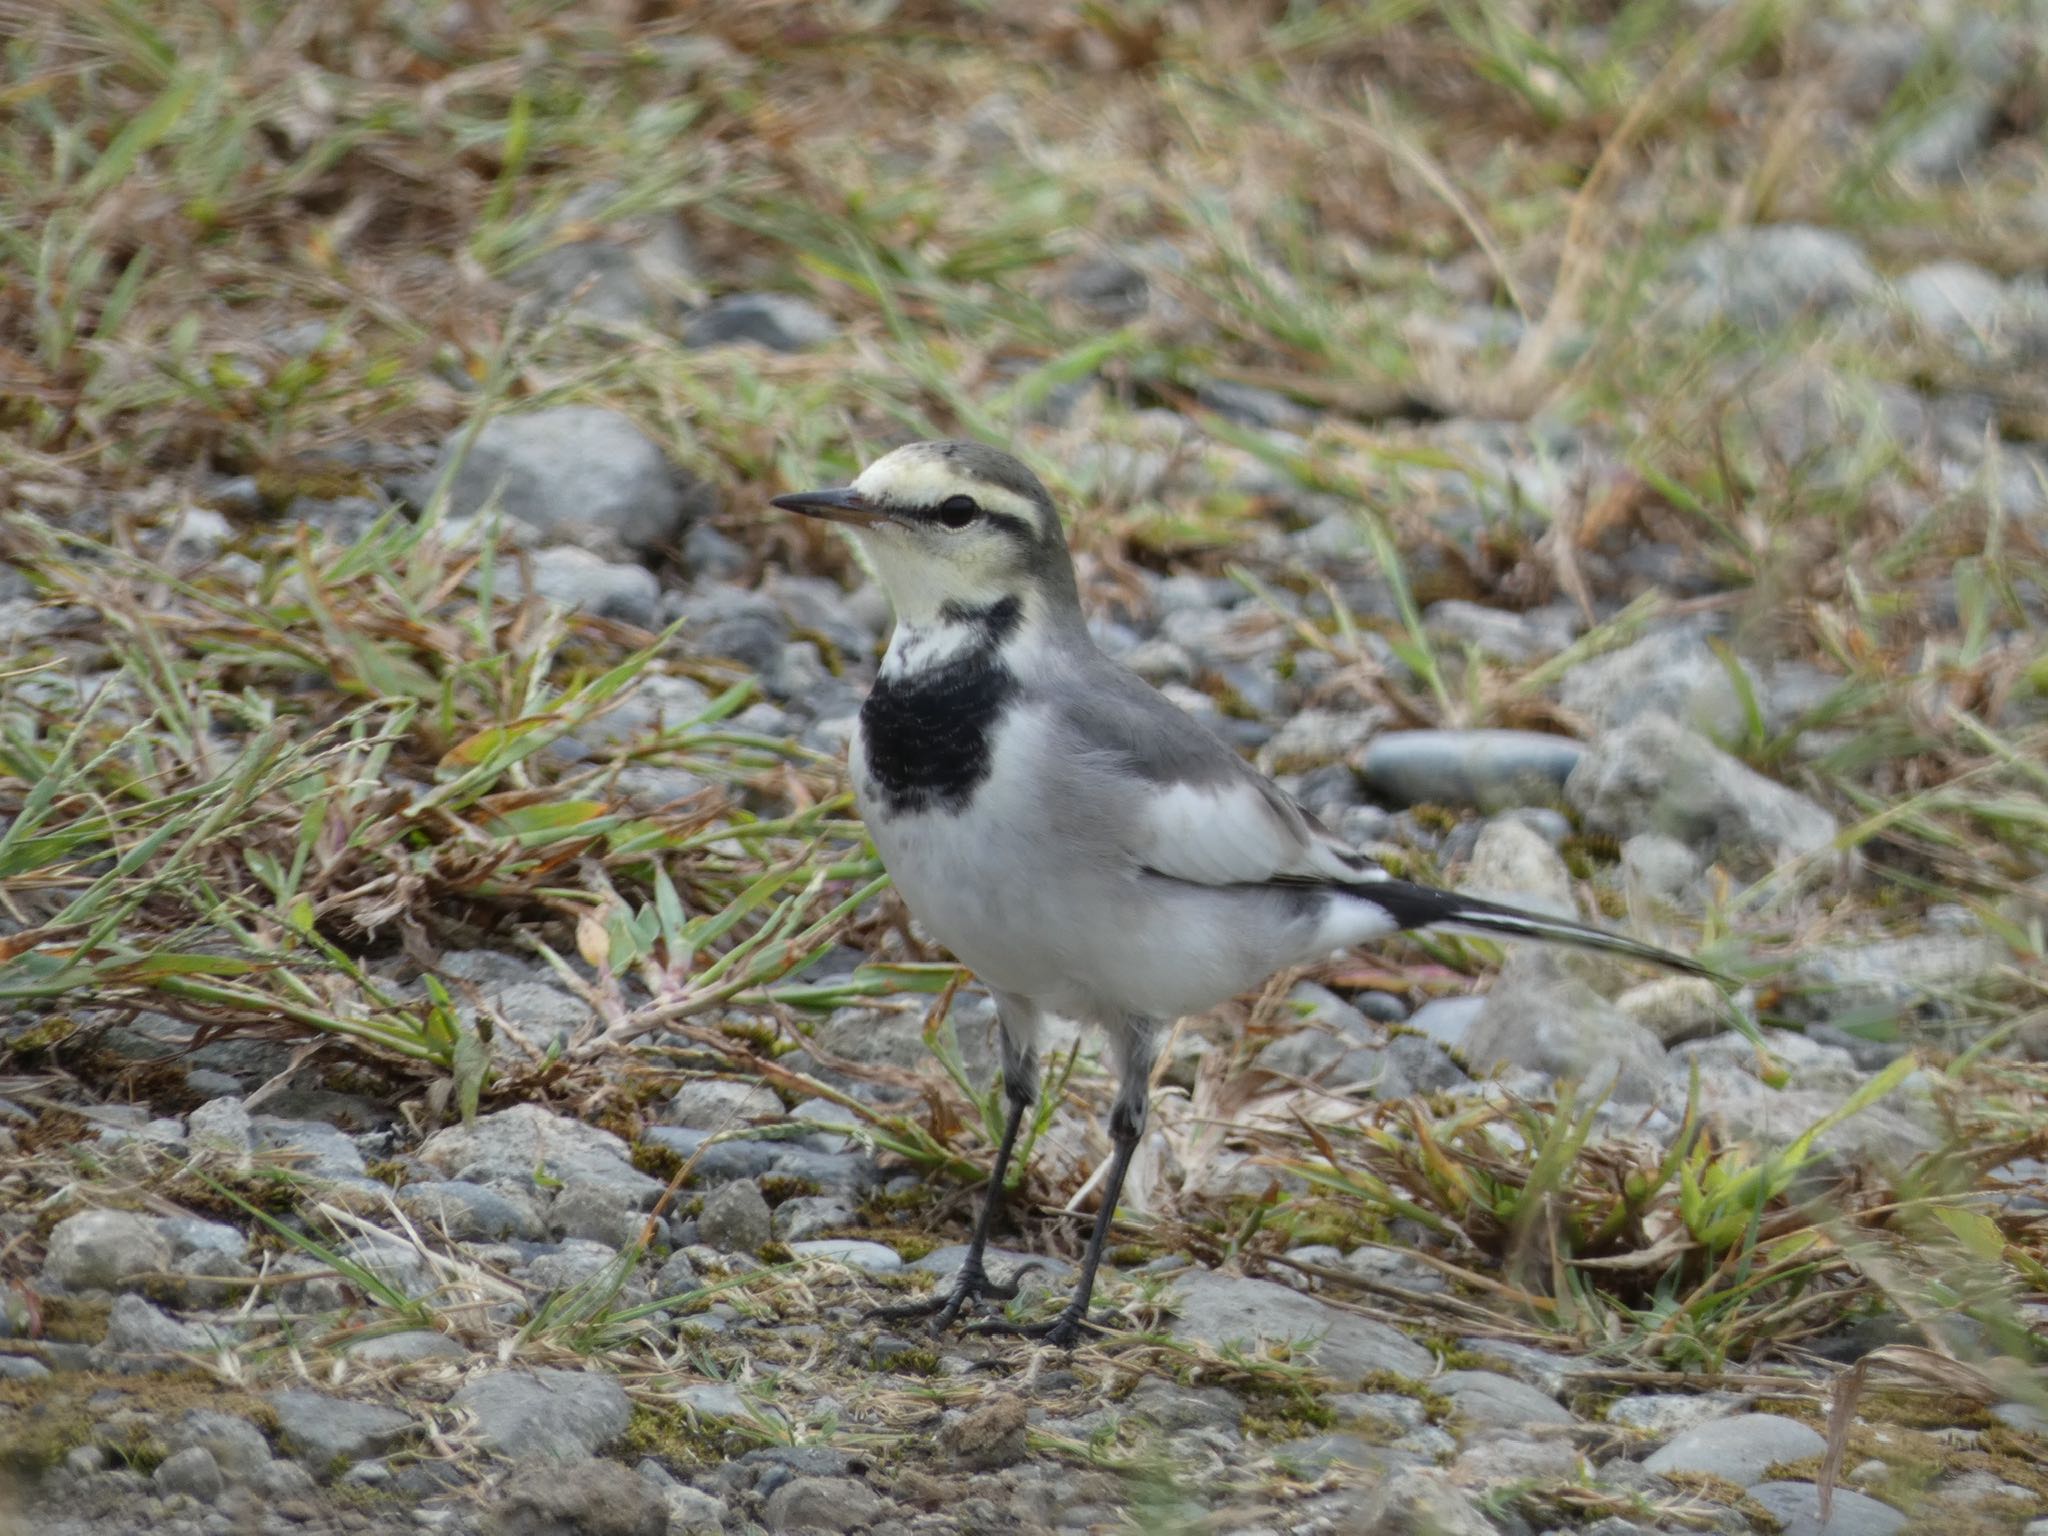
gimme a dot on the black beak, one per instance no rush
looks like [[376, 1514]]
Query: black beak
[[841, 505]]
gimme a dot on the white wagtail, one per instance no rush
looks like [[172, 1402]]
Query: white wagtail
[[1087, 848]]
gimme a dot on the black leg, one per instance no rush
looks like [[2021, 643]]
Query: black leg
[[1126, 1125], [973, 1282]]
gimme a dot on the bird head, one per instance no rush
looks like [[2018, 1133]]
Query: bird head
[[952, 525]]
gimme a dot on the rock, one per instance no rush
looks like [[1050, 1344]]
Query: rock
[[1796, 1507], [140, 1338], [1487, 1397], [1218, 1309], [804, 1217], [610, 267], [875, 1258], [1739, 1448], [1512, 864], [987, 1437], [222, 1126], [577, 1262], [1512, 637], [191, 1472], [512, 1144], [1540, 1016], [1492, 770], [822, 1504], [1766, 277], [1496, 1457], [585, 583], [780, 322], [1660, 868], [735, 1218], [547, 1413], [328, 1434], [1653, 773], [103, 1251], [1316, 738], [405, 1348], [1418, 1502], [1887, 978], [722, 1104], [1740, 1108], [676, 1277], [1951, 140], [1252, 405], [22, 1368], [1670, 671], [1448, 1020], [1675, 1008], [573, 473], [1173, 1407], [471, 1212], [583, 1497], [314, 1148], [692, 1512], [1956, 300], [1660, 1415]]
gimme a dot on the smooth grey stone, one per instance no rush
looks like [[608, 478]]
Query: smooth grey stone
[[103, 1251], [1796, 1506], [191, 1472], [1448, 1020], [1654, 774], [1738, 1448], [585, 583], [1491, 770], [854, 1252], [512, 1144], [471, 1212], [1542, 1016], [1218, 1309], [1487, 1397], [1767, 276], [735, 1218], [582, 1496], [822, 1504], [314, 1148], [405, 1348], [780, 322], [544, 1413], [327, 1434], [575, 473]]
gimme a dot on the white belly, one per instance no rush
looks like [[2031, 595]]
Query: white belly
[[1036, 900]]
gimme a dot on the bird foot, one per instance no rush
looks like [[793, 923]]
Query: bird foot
[[1063, 1332], [944, 1308]]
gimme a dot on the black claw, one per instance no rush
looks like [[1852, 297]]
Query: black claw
[[944, 1308], [1063, 1332]]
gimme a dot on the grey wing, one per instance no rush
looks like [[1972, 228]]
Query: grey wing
[[1202, 813]]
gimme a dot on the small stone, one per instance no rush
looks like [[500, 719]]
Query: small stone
[[221, 1126], [543, 1412], [692, 1512], [235, 1446], [585, 583], [987, 1437], [191, 1472], [512, 1144], [1541, 1016], [576, 473], [328, 1434], [1221, 1309], [1660, 1415], [676, 1277], [1487, 1397], [1419, 1502], [1672, 671], [1659, 867], [1512, 637], [103, 1251], [780, 322], [875, 1258], [1675, 1008], [1655, 774], [1738, 1449], [1953, 299], [822, 1503], [582, 1497], [735, 1218], [1768, 276], [471, 1212], [1491, 770], [1796, 1506], [1448, 1020], [142, 1338], [1512, 864], [408, 1348], [722, 1104]]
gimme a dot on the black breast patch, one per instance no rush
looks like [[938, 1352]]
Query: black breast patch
[[927, 735]]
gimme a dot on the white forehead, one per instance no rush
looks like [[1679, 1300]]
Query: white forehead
[[914, 476]]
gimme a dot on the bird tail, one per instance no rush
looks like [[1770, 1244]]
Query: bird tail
[[1409, 905]]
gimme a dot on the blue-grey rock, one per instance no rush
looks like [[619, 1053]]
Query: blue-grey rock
[[1796, 1507], [409, 1348], [585, 583], [326, 1435], [1738, 1449], [471, 1212], [578, 474], [780, 322], [551, 1414], [103, 1251], [1768, 276], [513, 1144], [875, 1258], [1491, 770], [735, 1218], [1219, 1309], [190, 1472]]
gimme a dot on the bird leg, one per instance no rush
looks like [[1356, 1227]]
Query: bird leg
[[1126, 1126], [973, 1283]]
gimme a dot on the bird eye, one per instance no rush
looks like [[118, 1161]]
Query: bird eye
[[958, 511]]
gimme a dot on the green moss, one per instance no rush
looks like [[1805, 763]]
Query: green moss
[[778, 1187], [75, 1319], [387, 1171], [53, 1415], [656, 1160], [1586, 853], [915, 1362], [673, 1436], [1434, 1403]]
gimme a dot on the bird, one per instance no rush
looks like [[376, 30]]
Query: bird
[[1085, 847]]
